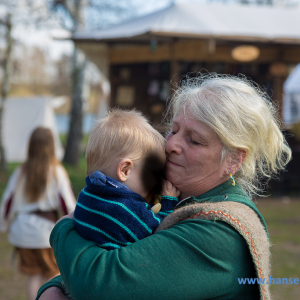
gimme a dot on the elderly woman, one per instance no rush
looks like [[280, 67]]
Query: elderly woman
[[224, 139]]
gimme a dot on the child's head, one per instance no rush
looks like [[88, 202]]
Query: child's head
[[126, 147]]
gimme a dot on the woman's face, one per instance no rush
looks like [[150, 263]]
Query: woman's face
[[194, 157]]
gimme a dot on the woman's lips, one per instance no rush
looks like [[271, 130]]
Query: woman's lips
[[172, 163]]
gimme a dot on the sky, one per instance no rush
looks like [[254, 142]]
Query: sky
[[25, 33], [53, 39]]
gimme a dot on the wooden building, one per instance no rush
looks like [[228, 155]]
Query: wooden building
[[144, 58]]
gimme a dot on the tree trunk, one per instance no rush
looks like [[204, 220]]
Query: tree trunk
[[72, 151], [5, 88]]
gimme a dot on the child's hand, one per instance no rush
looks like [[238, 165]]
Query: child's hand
[[168, 189], [69, 216], [53, 293]]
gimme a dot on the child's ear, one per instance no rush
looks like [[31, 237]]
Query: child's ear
[[124, 168]]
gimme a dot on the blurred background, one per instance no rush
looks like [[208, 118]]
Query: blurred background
[[64, 63]]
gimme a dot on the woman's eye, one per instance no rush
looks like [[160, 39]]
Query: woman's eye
[[170, 134], [194, 142]]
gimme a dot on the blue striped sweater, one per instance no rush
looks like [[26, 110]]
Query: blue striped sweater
[[110, 214]]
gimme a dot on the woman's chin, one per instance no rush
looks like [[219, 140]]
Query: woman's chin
[[171, 176]]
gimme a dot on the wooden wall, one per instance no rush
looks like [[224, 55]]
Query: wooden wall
[[197, 50], [207, 53]]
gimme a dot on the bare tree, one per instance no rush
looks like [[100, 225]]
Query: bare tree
[[70, 14], [75, 11], [17, 12], [5, 86]]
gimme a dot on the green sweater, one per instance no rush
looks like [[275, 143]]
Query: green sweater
[[194, 259]]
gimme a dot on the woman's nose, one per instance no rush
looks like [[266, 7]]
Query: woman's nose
[[173, 143]]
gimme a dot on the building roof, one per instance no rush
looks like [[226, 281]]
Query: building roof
[[193, 20]]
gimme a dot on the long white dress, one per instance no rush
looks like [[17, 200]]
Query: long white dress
[[26, 229]]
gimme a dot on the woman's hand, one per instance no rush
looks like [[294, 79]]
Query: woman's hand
[[53, 293], [69, 216], [168, 189]]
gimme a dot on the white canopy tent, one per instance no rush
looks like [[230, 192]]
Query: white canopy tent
[[194, 20], [291, 102], [21, 117]]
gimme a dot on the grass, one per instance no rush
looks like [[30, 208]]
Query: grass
[[77, 175], [281, 215], [283, 221]]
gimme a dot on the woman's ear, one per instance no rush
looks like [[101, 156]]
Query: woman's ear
[[124, 168], [235, 161]]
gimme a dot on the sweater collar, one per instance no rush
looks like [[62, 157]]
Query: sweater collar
[[222, 189], [99, 179], [219, 191], [224, 192]]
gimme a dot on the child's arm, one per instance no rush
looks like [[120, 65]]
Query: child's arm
[[7, 202]]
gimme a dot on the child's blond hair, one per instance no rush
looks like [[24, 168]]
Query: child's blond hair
[[121, 134]]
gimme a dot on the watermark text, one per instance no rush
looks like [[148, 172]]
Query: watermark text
[[270, 280]]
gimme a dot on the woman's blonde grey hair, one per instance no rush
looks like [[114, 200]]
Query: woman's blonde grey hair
[[244, 118], [121, 134]]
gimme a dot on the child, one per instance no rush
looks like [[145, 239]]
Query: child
[[125, 159], [125, 156], [37, 192]]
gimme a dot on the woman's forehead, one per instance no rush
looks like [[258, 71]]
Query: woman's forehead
[[191, 124]]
